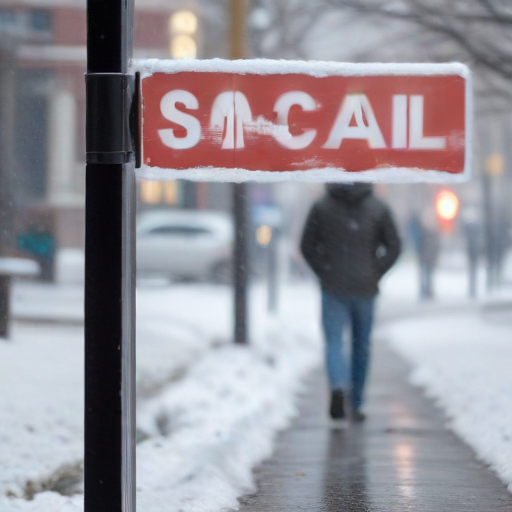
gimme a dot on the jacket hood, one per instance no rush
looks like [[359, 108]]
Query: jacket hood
[[349, 192]]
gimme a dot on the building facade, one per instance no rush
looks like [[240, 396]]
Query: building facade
[[43, 53]]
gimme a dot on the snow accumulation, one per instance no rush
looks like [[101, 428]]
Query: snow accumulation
[[317, 69], [463, 363], [207, 410], [41, 407], [461, 358], [221, 421], [323, 175]]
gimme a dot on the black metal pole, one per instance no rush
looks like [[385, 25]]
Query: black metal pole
[[7, 208], [109, 268], [240, 253], [240, 262], [5, 305]]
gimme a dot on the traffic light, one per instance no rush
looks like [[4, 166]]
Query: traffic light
[[447, 207]]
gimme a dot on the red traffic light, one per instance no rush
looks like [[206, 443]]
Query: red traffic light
[[447, 205]]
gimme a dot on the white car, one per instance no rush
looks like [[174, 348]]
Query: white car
[[185, 244]]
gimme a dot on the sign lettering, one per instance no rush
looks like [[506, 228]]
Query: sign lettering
[[390, 124]]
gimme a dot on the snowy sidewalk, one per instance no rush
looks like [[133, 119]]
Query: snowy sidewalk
[[403, 458], [208, 411]]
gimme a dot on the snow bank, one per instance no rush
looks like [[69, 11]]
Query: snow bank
[[43, 502], [204, 431], [41, 404], [220, 422], [463, 362]]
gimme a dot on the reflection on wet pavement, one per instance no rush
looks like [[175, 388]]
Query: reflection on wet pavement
[[402, 459]]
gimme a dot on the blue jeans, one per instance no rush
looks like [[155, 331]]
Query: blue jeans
[[337, 311]]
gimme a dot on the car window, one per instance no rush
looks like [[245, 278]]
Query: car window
[[179, 231]]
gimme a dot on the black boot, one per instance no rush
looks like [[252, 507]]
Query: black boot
[[337, 410]]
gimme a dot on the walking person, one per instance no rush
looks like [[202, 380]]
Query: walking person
[[428, 253], [350, 241], [472, 233]]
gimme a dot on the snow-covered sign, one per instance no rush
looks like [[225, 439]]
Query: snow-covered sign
[[264, 120]]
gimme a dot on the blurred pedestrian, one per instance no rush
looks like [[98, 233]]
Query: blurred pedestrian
[[350, 241], [497, 243], [473, 236], [426, 241]]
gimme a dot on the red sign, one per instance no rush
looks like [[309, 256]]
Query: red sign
[[385, 119]]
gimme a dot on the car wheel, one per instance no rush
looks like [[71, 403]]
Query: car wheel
[[221, 273]]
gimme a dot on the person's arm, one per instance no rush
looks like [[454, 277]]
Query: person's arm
[[311, 242], [389, 241]]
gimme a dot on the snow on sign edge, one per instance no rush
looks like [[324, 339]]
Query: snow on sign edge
[[147, 67], [317, 69]]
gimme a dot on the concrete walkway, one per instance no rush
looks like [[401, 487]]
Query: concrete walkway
[[402, 458]]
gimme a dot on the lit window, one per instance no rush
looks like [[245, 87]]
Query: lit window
[[40, 20], [171, 192], [183, 47], [183, 22], [182, 27], [150, 191]]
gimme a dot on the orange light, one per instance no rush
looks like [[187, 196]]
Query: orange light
[[264, 235], [150, 191], [494, 164], [447, 205]]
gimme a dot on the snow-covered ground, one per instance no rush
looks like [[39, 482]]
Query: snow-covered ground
[[463, 362], [208, 410], [460, 352], [41, 404]]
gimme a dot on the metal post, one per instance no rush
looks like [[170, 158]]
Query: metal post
[[240, 262], [240, 255], [7, 213], [272, 273], [237, 32], [109, 268], [5, 305], [489, 220]]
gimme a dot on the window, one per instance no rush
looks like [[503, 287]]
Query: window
[[179, 231], [7, 18], [40, 20]]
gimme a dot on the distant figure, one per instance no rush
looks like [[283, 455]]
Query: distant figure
[[350, 241], [497, 242], [424, 232], [473, 236], [40, 244]]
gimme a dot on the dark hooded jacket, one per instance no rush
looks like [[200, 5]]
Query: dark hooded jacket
[[350, 240]]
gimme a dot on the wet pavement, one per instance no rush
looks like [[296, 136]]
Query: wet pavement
[[403, 458]]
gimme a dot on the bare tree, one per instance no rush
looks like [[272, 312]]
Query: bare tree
[[480, 29], [279, 29], [477, 32]]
